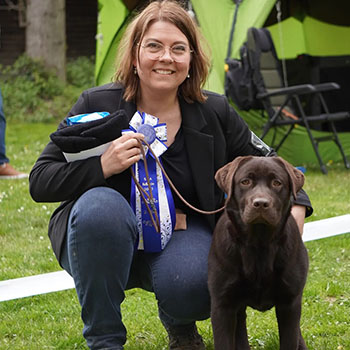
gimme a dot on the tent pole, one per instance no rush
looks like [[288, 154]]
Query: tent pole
[[279, 19]]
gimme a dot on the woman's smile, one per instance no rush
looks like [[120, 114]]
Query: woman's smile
[[164, 71]]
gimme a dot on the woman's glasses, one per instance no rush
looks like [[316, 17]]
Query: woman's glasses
[[156, 50]]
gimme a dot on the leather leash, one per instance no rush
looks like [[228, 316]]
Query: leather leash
[[153, 212]]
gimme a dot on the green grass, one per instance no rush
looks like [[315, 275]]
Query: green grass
[[52, 321]]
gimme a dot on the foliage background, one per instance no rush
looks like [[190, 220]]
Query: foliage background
[[34, 94]]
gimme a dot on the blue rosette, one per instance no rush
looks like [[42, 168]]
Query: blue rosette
[[162, 200]]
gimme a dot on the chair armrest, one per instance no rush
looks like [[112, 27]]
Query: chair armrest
[[290, 90], [326, 87]]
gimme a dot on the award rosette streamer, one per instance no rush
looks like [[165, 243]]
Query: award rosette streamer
[[155, 134]]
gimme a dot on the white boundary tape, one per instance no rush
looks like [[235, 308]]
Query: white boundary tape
[[326, 228], [60, 280], [35, 285]]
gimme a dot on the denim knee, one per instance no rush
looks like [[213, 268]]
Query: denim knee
[[101, 211], [184, 300]]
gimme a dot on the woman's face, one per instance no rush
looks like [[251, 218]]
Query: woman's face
[[164, 59]]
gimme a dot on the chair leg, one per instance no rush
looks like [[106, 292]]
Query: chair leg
[[338, 143], [285, 137], [334, 131], [266, 129], [315, 147], [312, 139], [271, 120]]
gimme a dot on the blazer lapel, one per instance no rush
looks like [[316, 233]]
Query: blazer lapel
[[129, 107], [200, 150]]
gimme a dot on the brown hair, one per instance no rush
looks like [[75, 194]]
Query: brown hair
[[172, 12]]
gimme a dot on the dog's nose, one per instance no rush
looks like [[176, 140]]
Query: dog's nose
[[261, 203]]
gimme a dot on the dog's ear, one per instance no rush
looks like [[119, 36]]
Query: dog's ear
[[224, 175], [296, 177]]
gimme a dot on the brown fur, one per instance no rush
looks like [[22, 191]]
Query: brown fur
[[257, 257]]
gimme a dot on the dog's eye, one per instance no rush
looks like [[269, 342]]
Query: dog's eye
[[245, 182], [276, 183]]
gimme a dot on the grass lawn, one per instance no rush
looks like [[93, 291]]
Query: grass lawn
[[52, 321]]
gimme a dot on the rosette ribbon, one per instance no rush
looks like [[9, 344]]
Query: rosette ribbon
[[149, 176]]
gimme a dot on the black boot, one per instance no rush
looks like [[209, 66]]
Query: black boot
[[184, 337]]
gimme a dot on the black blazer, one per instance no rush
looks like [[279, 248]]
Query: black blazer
[[214, 135]]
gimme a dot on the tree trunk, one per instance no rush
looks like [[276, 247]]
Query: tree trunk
[[46, 34]]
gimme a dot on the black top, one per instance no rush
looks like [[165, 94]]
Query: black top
[[177, 166]]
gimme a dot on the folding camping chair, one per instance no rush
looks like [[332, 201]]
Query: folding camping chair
[[282, 104]]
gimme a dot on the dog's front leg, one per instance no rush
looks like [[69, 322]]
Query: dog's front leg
[[223, 320], [241, 340], [288, 318]]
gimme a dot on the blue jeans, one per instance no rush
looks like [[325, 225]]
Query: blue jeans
[[3, 158], [100, 256]]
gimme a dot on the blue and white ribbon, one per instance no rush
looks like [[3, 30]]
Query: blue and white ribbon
[[155, 134], [87, 117]]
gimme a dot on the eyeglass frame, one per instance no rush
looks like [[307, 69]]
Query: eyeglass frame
[[164, 50]]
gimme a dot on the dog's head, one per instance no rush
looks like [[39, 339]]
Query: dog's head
[[259, 189]]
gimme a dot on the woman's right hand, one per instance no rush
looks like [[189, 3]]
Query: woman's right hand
[[121, 154]]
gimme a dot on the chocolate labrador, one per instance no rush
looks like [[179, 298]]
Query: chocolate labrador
[[257, 257]]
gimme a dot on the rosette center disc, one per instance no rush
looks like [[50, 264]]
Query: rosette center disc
[[148, 131]]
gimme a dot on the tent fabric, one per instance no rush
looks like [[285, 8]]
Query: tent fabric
[[111, 22], [303, 35], [215, 20], [304, 38]]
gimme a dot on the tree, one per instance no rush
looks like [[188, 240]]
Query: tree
[[46, 34]]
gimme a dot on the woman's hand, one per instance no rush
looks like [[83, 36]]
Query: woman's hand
[[298, 212], [121, 154]]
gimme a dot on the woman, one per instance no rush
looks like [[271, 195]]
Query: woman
[[161, 70]]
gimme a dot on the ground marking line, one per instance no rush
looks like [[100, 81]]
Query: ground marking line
[[60, 280]]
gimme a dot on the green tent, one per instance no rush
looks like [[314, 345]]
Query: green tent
[[321, 33]]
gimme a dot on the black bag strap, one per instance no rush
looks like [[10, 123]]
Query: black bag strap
[[229, 49]]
